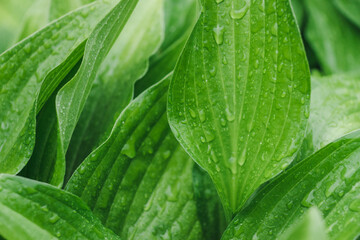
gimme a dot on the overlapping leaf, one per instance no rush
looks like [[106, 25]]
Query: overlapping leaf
[[239, 98], [71, 98], [23, 71], [139, 180], [113, 88], [329, 180], [32, 210]]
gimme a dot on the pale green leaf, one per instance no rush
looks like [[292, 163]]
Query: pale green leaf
[[239, 98], [139, 181], [33, 210], [333, 38], [310, 227], [36, 17], [335, 107], [23, 72], [328, 179]]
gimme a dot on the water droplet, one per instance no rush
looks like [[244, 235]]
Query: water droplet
[[54, 219], [283, 94], [224, 61], [242, 157], [4, 125], [229, 115], [302, 100], [129, 150], [257, 63], [202, 115], [81, 169], [192, 113], [223, 122], [274, 29], [219, 1], [355, 205], [212, 71], [202, 139], [238, 13], [209, 136], [307, 112], [166, 154], [307, 200], [330, 188], [219, 34], [290, 204]]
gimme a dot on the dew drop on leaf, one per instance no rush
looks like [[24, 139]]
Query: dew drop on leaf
[[219, 34], [238, 13], [355, 205]]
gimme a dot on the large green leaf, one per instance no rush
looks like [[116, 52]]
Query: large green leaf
[[33, 210], [71, 99], [23, 70], [335, 107], [333, 38], [139, 181], [239, 98], [113, 88], [329, 180], [351, 9], [310, 227]]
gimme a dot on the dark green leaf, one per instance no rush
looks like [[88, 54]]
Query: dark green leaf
[[329, 180], [33, 210], [239, 98], [351, 9]]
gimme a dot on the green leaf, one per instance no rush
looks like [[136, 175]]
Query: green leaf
[[33, 210], [139, 181], [126, 62], [333, 38], [329, 180], [310, 227], [71, 98], [23, 71], [351, 9], [239, 98], [335, 107]]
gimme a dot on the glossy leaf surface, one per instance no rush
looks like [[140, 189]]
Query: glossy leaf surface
[[139, 180], [329, 180], [33, 210], [239, 98]]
